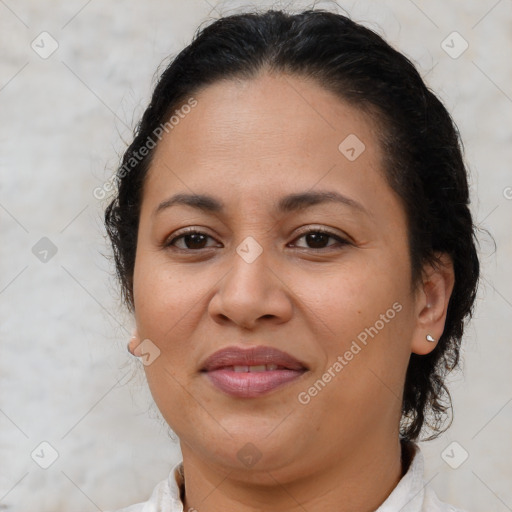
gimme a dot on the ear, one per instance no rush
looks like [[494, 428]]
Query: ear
[[431, 305], [134, 343]]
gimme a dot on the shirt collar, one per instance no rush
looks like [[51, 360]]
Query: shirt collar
[[407, 496]]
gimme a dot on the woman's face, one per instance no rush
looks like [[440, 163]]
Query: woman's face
[[339, 303]]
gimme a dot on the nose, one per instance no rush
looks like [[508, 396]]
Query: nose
[[254, 290]]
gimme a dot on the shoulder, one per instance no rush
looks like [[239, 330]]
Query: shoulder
[[156, 503], [433, 504], [166, 496], [412, 493]]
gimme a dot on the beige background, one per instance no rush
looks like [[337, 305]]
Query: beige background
[[64, 371]]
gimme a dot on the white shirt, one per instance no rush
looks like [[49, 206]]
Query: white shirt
[[410, 495]]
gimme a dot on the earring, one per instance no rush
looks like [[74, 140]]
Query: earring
[[430, 338], [128, 346]]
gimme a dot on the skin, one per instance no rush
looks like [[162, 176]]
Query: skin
[[248, 143]]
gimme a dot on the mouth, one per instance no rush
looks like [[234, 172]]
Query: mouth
[[253, 368], [251, 372]]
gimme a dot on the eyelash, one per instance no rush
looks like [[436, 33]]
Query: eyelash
[[193, 231]]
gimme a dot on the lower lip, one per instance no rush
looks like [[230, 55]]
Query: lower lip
[[251, 384]]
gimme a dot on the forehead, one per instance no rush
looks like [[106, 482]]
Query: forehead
[[245, 115], [245, 138]]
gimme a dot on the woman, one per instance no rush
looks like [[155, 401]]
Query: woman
[[292, 234]]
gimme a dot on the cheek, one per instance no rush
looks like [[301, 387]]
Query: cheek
[[170, 309], [351, 299], [365, 315], [161, 308], [162, 292], [166, 309]]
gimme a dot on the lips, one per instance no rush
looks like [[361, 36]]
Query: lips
[[237, 359], [251, 372]]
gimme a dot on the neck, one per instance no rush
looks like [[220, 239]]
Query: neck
[[359, 481]]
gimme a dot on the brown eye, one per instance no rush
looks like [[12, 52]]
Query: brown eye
[[318, 238], [193, 240]]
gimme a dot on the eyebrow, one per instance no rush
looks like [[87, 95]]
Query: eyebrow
[[286, 204]]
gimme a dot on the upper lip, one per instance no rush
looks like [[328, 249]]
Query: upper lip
[[252, 356]]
